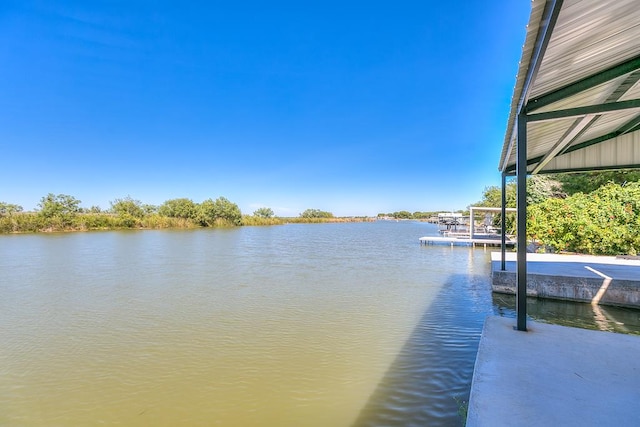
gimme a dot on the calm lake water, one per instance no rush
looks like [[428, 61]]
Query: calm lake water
[[296, 325]]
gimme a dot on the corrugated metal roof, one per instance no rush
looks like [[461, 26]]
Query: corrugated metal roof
[[578, 53]]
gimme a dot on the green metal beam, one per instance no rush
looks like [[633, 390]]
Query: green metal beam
[[591, 169], [630, 126], [584, 84], [583, 111], [575, 131], [593, 141], [582, 124], [627, 127], [624, 87], [510, 171]]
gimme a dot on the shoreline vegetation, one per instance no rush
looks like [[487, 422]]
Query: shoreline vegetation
[[62, 213], [28, 222], [595, 213]]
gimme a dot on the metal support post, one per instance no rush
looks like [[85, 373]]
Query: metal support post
[[521, 177], [503, 226], [471, 223]]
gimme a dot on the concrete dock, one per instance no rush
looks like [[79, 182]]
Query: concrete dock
[[554, 376], [596, 279]]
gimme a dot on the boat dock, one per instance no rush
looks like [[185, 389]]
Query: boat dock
[[465, 240], [554, 376]]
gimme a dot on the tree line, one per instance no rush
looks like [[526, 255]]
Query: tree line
[[409, 215], [63, 212]]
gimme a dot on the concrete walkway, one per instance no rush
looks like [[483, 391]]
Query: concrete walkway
[[554, 376], [572, 265]]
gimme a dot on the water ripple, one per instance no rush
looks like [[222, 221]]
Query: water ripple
[[314, 325]]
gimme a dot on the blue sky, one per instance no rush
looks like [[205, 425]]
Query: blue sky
[[351, 107]]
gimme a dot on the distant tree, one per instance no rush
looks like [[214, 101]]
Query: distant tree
[[221, 210], [403, 215], [543, 187], [61, 205], [586, 182], [421, 215], [492, 196], [58, 211], [539, 188], [7, 209], [179, 208], [94, 209], [127, 207], [149, 209], [264, 213], [316, 213]]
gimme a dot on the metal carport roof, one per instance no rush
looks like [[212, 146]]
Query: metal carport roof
[[576, 104], [578, 87]]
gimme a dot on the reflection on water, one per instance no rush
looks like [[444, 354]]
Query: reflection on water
[[314, 325], [574, 314]]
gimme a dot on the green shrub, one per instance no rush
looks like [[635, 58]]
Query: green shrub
[[259, 220], [603, 222]]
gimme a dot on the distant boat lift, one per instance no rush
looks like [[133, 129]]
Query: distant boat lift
[[428, 240], [472, 238]]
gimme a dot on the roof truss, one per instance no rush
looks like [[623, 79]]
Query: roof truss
[[578, 87]]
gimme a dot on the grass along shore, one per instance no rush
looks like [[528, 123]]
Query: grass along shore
[[33, 222]]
